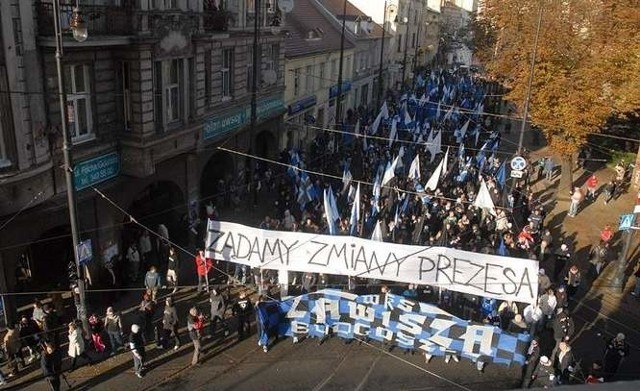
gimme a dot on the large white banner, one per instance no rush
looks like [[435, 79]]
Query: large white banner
[[503, 278]]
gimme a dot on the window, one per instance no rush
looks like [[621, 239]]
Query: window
[[323, 81], [172, 92], [169, 79], [271, 59], [165, 4], [364, 95], [207, 77], [227, 74], [78, 103], [334, 69], [398, 47], [296, 82], [6, 123], [309, 85], [125, 78], [250, 70], [413, 40]]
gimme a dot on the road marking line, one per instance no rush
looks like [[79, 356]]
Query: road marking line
[[364, 380], [334, 372]]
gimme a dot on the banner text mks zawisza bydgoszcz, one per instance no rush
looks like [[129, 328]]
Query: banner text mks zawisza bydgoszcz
[[504, 278]]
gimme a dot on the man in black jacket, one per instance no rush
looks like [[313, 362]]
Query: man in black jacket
[[50, 363], [563, 329], [243, 309]]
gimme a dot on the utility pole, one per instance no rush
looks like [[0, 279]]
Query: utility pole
[[341, 67], [616, 282], [530, 82], [380, 82], [79, 291]]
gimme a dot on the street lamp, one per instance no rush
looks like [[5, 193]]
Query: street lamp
[[80, 34], [405, 22]]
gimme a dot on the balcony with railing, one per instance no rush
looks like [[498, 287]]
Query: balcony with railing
[[100, 19], [227, 15]]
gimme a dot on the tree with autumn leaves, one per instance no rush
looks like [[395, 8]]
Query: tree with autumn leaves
[[587, 65]]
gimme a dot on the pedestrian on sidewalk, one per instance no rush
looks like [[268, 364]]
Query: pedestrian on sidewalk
[[145, 249], [573, 280], [548, 168], [12, 349], [563, 329], [172, 269], [576, 199], [218, 309], [51, 324], [545, 374], [606, 234], [592, 185], [563, 255], [77, 346], [147, 309], [615, 353], [133, 258], [152, 282], [97, 327], [136, 344], [170, 323], [610, 191], [531, 363], [564, 362], [113, 325], [28, 333], [51, 364], [195, 325], [598, 256]]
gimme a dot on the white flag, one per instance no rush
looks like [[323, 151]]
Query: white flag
[[390, 172], [346, 179], [376, 124], [414, 169], [445, 160], [483, 199], [377, 233], [385, 110], [432, 184], [394, 131]]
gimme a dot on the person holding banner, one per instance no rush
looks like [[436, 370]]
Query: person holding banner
[[203, 266]]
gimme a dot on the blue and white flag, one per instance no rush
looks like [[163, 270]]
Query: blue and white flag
[[432, 183], [377, 232], [329, 212], [390, 171], [355, 213], [346, 179], [414, 169], [483, 199], [393, 133], [501, 176]]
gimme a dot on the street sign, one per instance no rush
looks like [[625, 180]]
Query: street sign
[[518, 163], [516, 173], [626, 221], [85, 251]]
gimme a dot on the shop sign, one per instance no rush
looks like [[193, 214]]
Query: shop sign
[[218, 125], [333, 91], [96, 170], [302, 104]]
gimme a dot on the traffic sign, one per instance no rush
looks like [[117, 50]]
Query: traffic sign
[[516, 173], [518, 163], [626, 221], [85, 251]]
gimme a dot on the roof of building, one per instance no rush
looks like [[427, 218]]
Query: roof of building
[[311, 32], [336, 7]]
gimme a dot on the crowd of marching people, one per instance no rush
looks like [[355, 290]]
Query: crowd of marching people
[[426, 169]]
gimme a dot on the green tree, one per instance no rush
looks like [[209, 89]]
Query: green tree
[[587, 63]]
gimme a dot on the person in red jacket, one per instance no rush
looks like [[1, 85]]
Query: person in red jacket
[[592, 184], [606, 234], [203, 266]]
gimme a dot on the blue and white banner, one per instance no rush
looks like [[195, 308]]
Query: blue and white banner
[[502, 278], [398, 321]]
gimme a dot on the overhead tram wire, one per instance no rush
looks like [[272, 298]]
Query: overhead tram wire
[[15, 215]]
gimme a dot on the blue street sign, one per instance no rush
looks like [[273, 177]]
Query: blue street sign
[[626, 221], [85, 251]]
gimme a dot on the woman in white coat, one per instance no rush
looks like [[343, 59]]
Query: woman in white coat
[[76, 345]]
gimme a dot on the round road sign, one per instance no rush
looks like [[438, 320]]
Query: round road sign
[[518, 163]]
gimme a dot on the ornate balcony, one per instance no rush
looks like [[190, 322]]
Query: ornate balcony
[[100, 19]]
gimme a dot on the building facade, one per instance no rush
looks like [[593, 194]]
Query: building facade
[[312, 70], [150, 96]]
